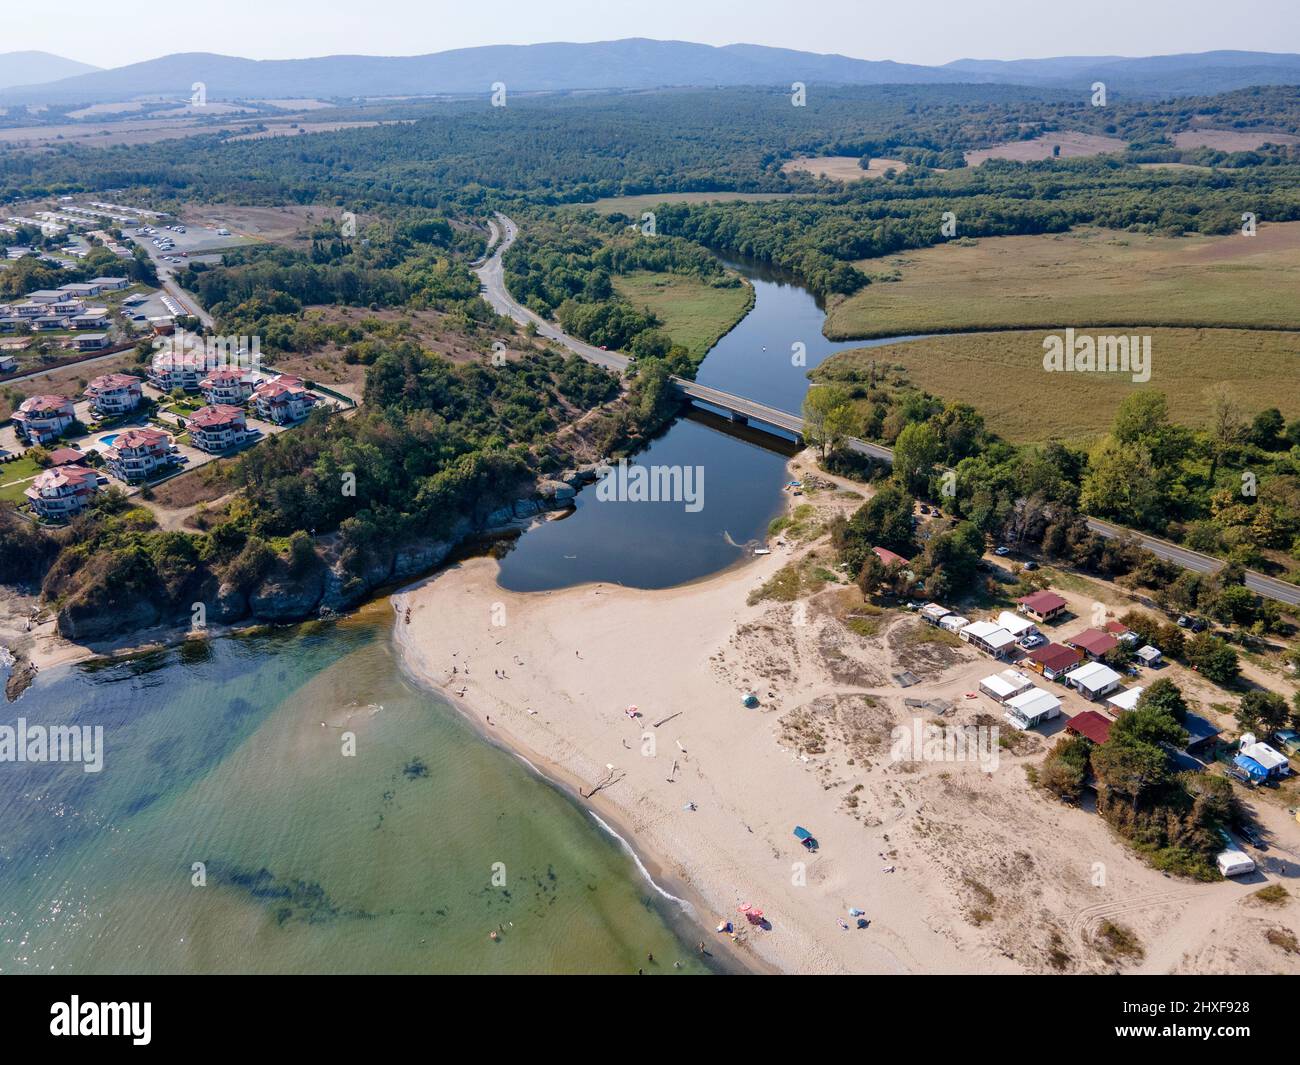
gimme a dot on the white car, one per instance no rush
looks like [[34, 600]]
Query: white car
[[1002, 551], [1032, 640]]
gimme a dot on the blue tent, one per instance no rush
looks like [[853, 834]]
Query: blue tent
[[1250, 767]]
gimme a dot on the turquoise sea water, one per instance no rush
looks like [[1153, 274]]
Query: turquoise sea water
[[315, 862]]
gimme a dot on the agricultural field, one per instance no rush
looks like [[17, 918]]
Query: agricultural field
[[1001, 375], [696, 315], [1084, 277], [842, 167], [1231, 140], [1072, 145]]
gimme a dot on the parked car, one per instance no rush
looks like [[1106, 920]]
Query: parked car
[[1252, 837], [1031, 565], [1001, 552], [1032, 640]]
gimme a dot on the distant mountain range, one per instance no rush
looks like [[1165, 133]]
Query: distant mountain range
[[31, 68], [635, 63]]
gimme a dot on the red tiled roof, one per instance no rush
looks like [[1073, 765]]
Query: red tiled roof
[[227, 376], [888, 557], [215, 416], [1116, 628], [61, 475], [1056, 657], [140, 438], [1090, 724], [1042, 602], [63, 456], [1094, 641], [45, 403], [112, 381]]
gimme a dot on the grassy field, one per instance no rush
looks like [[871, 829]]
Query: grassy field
[[1001, 375], [1082, 278], [634, 205], [694, 314], [842, 167]]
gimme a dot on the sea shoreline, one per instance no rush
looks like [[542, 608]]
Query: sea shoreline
[[687, 906]]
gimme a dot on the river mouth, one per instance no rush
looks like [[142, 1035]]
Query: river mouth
[[647, 544]]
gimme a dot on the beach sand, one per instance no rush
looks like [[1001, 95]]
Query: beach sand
[[957, 869]]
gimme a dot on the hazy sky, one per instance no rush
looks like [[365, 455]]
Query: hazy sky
[[116, 32]]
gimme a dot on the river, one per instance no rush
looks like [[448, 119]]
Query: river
[[766, 357], [229, 830]]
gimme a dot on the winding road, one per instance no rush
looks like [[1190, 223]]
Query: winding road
[[491, 275]]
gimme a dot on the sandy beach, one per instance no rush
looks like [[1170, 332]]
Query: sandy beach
[[956, 869]]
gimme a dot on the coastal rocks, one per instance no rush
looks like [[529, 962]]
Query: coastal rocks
[[556, 491], [96, 620], [228, 604], [283, 597], [526, 508], [500, 518]]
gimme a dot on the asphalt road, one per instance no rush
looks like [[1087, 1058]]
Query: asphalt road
[[494, 291]]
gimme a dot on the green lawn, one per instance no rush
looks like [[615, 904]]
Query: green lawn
[[694, 314], [1082, 278]]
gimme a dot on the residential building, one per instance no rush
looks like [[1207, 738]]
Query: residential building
[[110, 284], [177, 369], [1094, 680], [888, 557], [217, 428], [1042, 606], [228, 385], [988, 637], [90, 318], [1031, 708], [1095, 643], [1005, 685], [114, 393], [1259, 761], [1017, 625], [46, 295], [953, 623], [8, 363], [283, 399], [66, 456], [1090, 725], [1054, 660], [1123, 701], [138, 454], [81, 291], [89, 341], [41, 419], [1149, 655], [60, 493]]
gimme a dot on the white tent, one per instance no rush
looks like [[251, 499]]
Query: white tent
[[953, 622]]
